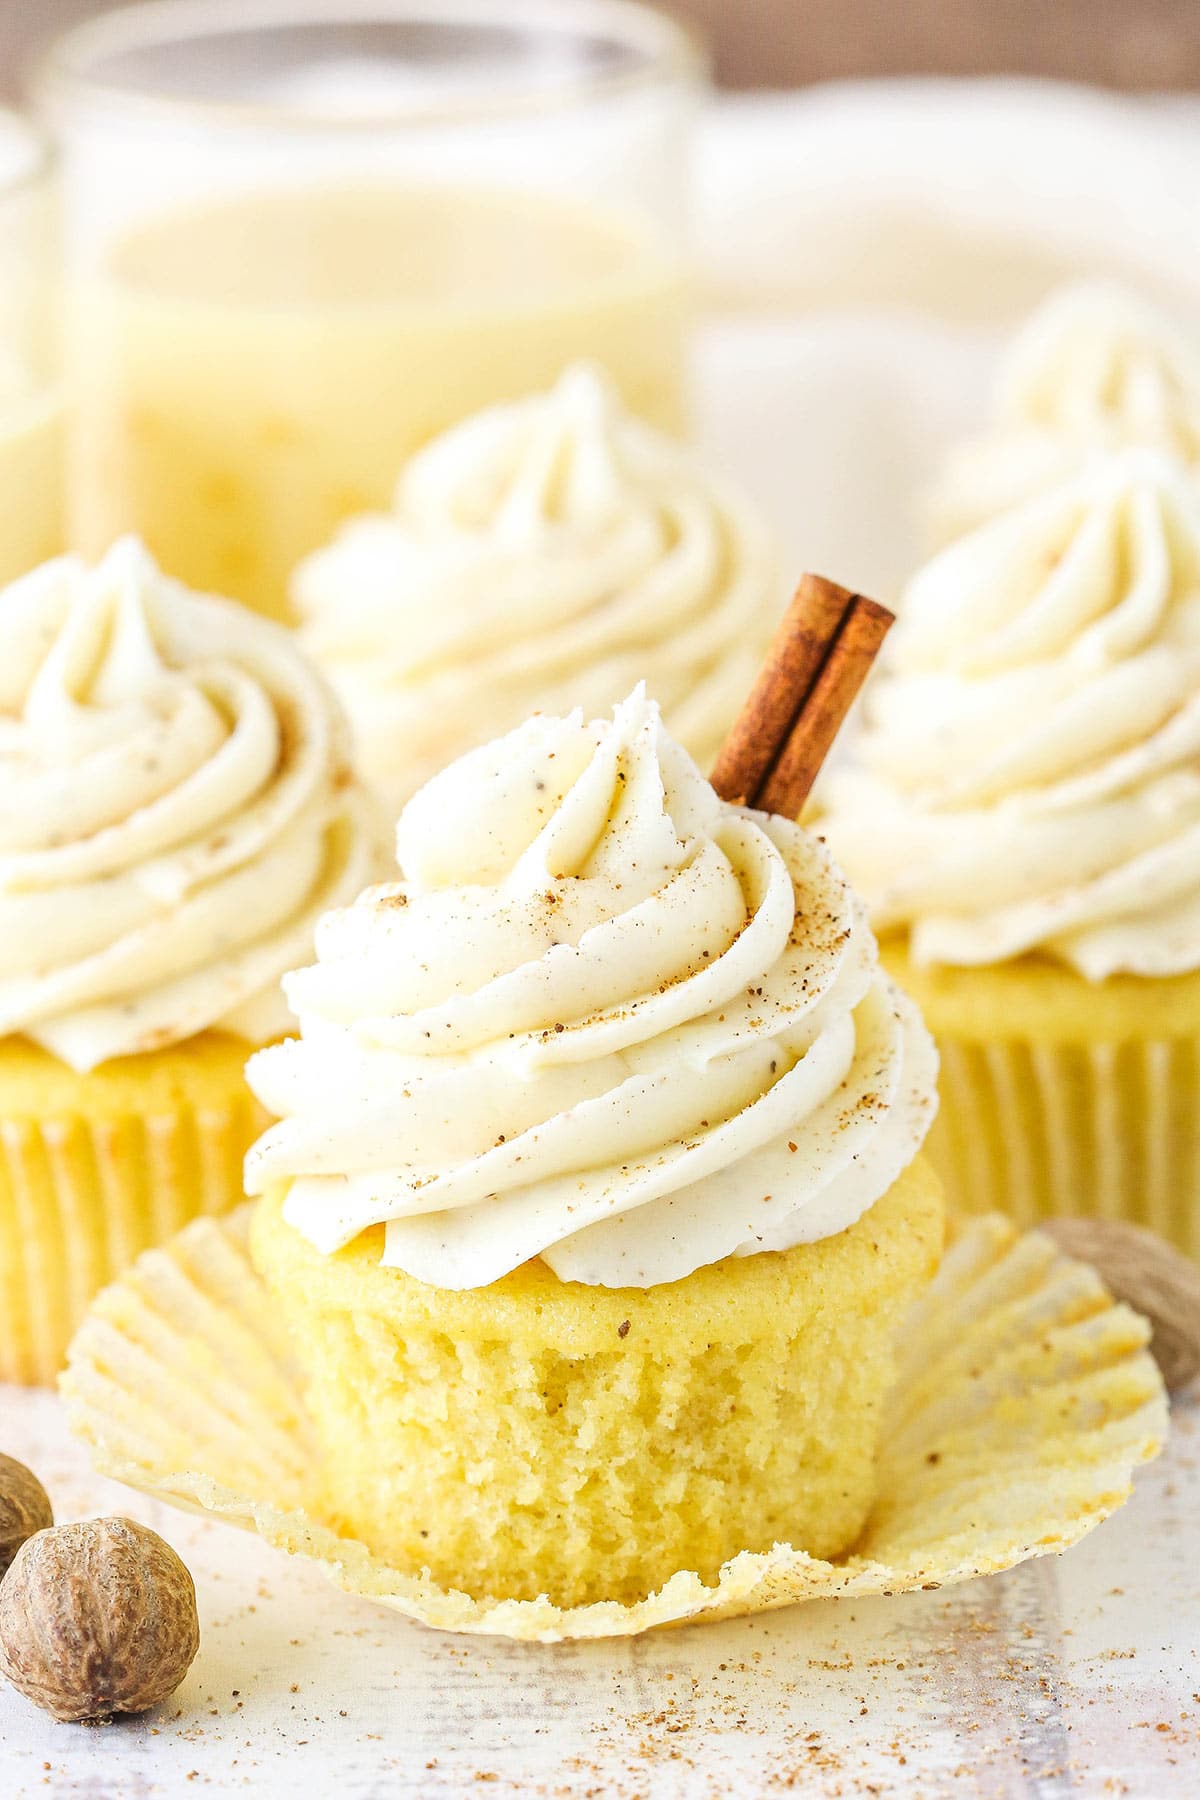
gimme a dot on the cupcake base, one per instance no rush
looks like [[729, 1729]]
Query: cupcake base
[[95, 1168], [1024, 1400], [545, 1437], [1061, 1097]]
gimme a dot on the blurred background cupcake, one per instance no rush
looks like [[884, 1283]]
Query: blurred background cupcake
[[541, 555], [1098, 366], [1024, 821], [176, 810]]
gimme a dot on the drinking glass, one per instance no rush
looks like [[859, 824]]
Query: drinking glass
[[30, 395], [303, 236]]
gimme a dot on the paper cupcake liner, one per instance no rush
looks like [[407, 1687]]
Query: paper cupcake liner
[[81, 1198], [1043, 1130], [1025, 1400]]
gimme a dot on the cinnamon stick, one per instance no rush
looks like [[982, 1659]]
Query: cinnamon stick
[[813, 670]]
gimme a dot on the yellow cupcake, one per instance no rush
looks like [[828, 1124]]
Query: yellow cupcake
[[441, 626], [1063, 1096], [1025, 824], [595, 1201], [95, 1168], [1024, 1399], [543, 1437], [176, 812]]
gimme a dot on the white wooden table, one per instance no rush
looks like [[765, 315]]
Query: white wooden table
[[1070, 1676]]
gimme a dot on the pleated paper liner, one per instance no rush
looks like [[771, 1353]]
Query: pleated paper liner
[[81, 1197], [1024, 1402], [1050, 1129]]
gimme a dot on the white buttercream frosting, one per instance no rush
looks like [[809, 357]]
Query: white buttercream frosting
[[540, 556], [1029, 766], [176, 810], [1096, 368], [605, 1018]]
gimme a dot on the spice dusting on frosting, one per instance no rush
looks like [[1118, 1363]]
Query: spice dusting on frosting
[[666, 1067], [176, 811]]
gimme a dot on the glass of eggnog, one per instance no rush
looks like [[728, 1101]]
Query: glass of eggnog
[[30, 396], [303, 236]]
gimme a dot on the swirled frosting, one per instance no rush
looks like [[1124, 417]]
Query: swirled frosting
[[1029, 773], [1096, 368], [540, 556], [605, 1018], [176, 810]]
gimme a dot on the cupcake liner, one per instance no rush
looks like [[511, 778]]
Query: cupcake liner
[[81, 1197], [1025, 1400], [1045, 1129]]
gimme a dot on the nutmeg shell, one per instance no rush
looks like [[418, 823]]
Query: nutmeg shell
[[1150, 1275], [24, 1508], [97, 1618]]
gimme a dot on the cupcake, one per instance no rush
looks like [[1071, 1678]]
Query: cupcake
[[176, 810], [541, 556], [1024, 822], [596, 1196], [1095, 369]]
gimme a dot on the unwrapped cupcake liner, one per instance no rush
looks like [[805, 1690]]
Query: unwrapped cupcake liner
[[1025, 1399], [81, 1198], [1044, 1130]]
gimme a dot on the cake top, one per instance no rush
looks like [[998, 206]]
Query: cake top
[[540, 555], [604, 1017], [176, 810], [1027, 775], [1096, 368]]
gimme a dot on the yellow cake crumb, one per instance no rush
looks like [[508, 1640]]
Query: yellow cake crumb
[[539, 1436]]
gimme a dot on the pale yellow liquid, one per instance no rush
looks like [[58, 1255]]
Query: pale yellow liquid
[[250, 374], [31, 449]]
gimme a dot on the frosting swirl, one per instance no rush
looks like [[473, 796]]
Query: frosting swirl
[[1029, 776], [1096, 368], [605, 1018], [540, 556], [176, 809]]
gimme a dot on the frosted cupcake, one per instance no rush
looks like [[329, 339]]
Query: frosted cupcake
[[1025, 825], [176, 810], [1096, 368], [596, 1194], [542, 555]]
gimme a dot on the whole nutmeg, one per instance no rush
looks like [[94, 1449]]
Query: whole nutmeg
[[24, 1508], [97, 1618], [1150, 1275]]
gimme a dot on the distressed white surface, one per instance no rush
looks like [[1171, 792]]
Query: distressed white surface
[[1070, 1676]]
